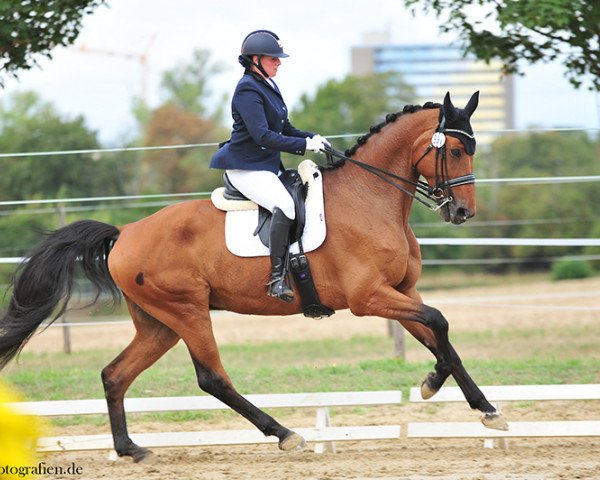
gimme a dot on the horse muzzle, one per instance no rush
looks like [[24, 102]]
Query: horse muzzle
[[456, 212]]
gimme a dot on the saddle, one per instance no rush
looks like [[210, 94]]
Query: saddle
[[230, 199], [296, 188]]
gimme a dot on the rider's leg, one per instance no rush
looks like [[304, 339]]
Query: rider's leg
[[266, 189], [278, 245]]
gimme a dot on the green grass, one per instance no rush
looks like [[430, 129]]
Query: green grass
[[361, 363]]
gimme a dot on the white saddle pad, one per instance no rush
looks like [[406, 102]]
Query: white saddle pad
[[242, 218]]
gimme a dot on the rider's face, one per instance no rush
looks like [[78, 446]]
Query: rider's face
[[270, 64]]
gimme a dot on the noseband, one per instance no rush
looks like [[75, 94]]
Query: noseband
[[441, 193]]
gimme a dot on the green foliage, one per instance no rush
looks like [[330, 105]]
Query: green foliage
[[27, 124], [571, 269], [187, 115], [352, 104], [545, 210], [31, 28], [530, 30], [187, 85], [357, 364], [21, 230], [552, 210]]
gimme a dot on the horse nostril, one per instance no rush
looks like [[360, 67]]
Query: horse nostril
[[463, 213]]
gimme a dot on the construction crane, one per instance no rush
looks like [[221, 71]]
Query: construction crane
[[141, 58]]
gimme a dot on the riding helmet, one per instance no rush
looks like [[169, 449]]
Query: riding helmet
[[263, 42]]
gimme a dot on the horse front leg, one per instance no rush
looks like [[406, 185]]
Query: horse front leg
[[449, 363], [429, 326]]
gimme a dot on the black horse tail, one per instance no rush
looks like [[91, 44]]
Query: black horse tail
[[43, 283]]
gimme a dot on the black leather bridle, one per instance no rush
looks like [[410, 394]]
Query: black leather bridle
[[440, 194]]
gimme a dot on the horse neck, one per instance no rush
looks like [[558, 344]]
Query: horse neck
[[390, 150]]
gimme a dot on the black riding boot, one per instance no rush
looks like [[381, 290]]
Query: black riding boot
[[278, 246]]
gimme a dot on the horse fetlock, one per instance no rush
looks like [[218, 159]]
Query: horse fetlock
[[428, 388], [291, 442], [494, 420]]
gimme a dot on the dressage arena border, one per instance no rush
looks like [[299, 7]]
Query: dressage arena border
[[324, 435], [498, 394]]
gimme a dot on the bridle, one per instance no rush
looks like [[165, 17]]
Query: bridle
[[440, 194]]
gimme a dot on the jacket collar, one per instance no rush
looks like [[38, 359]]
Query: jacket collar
[[272, 86]]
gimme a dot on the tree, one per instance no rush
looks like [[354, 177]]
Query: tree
[[529, 30], [547, 210], [186, 116], [31, 28], [177, 170], [187, 85], [27, 124], [352, 104]]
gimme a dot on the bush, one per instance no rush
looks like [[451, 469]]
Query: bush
[[570, 269]]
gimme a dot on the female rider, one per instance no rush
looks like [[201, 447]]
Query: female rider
[[261, 131]]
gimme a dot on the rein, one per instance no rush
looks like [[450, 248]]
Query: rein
[[436, 194]]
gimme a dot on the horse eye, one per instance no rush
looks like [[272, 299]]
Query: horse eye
[[455, 152]]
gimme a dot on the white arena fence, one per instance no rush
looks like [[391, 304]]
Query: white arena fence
[[323, 435], [510, 393]]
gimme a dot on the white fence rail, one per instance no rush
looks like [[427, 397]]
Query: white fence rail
[[509, 393], [323, 434]]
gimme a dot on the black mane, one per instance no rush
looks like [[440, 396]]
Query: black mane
[[389, 118]]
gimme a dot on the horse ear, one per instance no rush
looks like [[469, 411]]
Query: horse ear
[[449, 109], [472, 104]]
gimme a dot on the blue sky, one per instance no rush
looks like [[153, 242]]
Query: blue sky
[[318, 35]]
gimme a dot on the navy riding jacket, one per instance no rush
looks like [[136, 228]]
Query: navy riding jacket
[[261, 129]]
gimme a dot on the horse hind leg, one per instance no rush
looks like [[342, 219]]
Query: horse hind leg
[[152, 340], [213, 379]]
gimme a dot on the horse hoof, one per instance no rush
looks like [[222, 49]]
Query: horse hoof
[[494, 420], [292, 442], [426, 391], [144, 456]]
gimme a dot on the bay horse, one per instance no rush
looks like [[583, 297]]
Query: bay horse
[[173, 267]]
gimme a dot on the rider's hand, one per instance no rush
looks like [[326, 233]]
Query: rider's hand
[[316, 144], [323, 139]]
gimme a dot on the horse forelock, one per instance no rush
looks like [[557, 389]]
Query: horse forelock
[[389, 118]]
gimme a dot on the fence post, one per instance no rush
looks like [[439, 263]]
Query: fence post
[[60, 210], [396, 331]]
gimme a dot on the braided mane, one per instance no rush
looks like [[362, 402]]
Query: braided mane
[[389, 118]]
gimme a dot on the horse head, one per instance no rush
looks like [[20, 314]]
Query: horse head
[[444, 157]]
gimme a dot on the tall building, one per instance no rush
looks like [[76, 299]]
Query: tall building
[[434, 70]]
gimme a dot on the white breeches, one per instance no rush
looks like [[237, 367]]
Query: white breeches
[[265, 188]]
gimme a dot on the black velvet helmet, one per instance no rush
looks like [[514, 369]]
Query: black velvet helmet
[[263, 42]]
